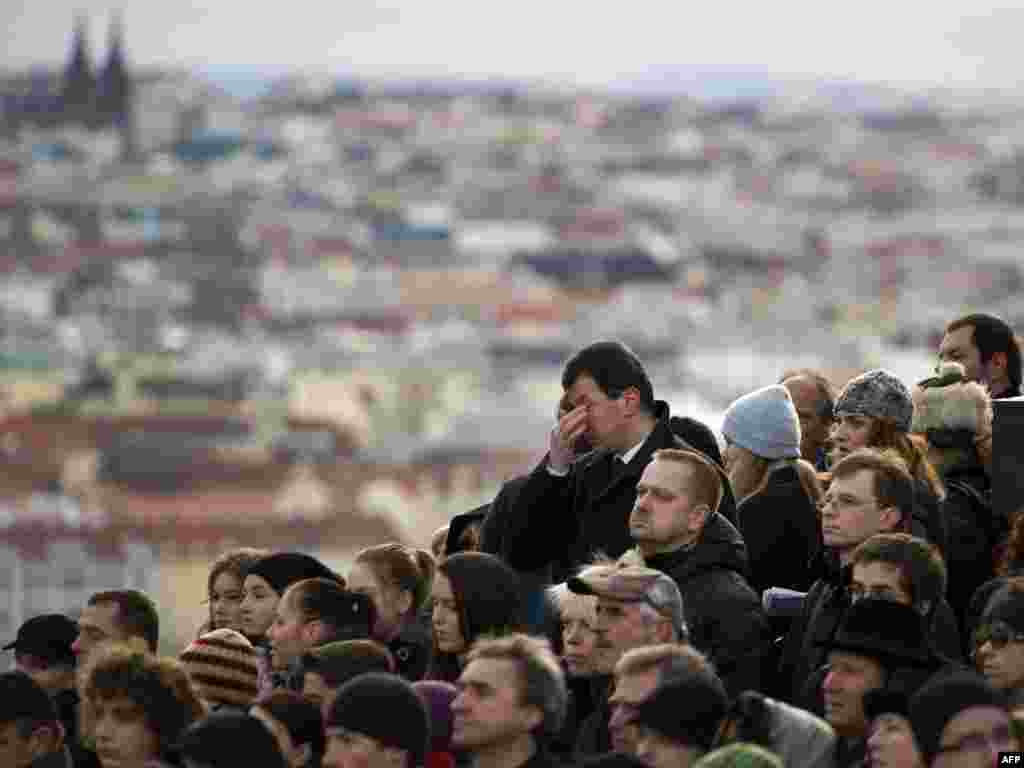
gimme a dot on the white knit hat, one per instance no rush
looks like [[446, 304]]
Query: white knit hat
[[765, 422]]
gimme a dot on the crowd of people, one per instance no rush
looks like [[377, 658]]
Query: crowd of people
[[833, 588]]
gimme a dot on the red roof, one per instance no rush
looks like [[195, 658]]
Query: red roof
[[510, 313], [900, 247], [329, 245]]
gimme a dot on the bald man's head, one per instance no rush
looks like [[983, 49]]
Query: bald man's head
[[814, 398]]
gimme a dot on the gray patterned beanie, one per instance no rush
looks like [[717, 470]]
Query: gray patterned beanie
[[880, 395]]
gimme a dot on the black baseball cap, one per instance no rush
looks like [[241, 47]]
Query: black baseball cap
[[49, 637]]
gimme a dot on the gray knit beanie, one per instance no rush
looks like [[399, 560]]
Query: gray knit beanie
[[765, 422], [880, 395]]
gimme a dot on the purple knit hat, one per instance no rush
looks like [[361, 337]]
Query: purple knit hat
[[437, 697]]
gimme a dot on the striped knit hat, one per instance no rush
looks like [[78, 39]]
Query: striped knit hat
[[224, 668]]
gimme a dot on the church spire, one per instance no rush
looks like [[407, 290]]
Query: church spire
[[78, 88], [114, 84]]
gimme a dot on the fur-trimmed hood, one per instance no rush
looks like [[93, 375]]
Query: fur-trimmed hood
[[947, 403]]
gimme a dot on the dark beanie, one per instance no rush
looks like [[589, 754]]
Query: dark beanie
[[225, 739], [282, 569], [886, 701], [383, 707], [22, 698], [688, 711], [934, 705], [1006, 605]]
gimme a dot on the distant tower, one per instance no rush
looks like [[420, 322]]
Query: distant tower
[[78, 90], [114, 90]]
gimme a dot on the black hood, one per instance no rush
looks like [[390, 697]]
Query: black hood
[[970, 472], [458, 525], [720, 547], [697, 435]]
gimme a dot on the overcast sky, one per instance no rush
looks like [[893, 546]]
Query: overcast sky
[[900, 41]]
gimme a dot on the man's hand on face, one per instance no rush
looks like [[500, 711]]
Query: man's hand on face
[[563, 439]]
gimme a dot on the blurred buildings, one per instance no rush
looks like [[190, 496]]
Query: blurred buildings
[[335, 315]]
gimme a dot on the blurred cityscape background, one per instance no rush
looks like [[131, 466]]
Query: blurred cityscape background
[[324, 312]]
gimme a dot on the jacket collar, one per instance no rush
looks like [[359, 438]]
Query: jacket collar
[[719, 546], [617, 472], [59, 759], [1011, 392]]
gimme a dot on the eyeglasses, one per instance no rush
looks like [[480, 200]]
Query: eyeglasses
[[857, 592], [1001, 736], [999, 634], [844, 502]]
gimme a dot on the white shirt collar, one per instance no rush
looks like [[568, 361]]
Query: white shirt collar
[[628, 455]]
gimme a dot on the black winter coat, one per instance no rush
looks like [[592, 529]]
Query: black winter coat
[[565, 521], [594, 736], [723, 613], [67, 703], [975, 534], [542, 618], [782, 532], [411, 649], [583, 693], [929, 520], [805, 650]]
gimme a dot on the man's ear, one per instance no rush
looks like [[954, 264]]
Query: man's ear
[[534, 718], [998, 360], [396, 758], [696, 517], [631, 400], [46, 738], [890, 519], [663, 632], [405, 599], [311, 631]]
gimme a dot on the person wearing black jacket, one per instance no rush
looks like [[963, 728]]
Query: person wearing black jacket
[[43, 651], [678, 532], [572, 507], [875, 410], [909, 570], [871, 493], [511, 701], [988, 350], [398, 580], [502, 514], [30, 732], [879, 644], [777, 516], [951, 413]]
